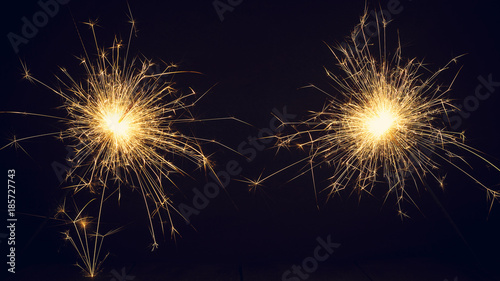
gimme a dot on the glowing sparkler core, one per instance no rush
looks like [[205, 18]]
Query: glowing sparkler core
[[122, 120], [379, 119], [118, 125], [382, 124]]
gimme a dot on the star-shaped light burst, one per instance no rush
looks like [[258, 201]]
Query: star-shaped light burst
[[122, 121], [385, 123]]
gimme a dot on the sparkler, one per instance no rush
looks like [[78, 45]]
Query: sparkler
[[385, 124], [121, 120]]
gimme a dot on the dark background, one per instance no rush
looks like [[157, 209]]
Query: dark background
[[260, 55]]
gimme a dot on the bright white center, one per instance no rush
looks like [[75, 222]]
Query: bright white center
[[381, 123], [117, 124]]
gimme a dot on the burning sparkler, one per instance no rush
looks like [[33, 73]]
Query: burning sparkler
[[385, 124], [122, 122]]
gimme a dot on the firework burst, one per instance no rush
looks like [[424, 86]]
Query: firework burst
[[121, 121], [384, 125]]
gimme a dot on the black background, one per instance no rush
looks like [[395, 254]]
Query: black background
[[260, 55]]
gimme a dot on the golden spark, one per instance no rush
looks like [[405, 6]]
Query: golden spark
[[383, 125], [122, 122]]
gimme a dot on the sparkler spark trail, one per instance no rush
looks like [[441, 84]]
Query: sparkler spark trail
[[383, 125], [121, 121], [83, 244]]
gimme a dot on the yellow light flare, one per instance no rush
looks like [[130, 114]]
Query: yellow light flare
[[117, 126], [122, 120], [385, 119], [381, 124]]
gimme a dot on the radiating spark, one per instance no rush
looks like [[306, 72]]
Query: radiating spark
[[122, 122], [386, 118]]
